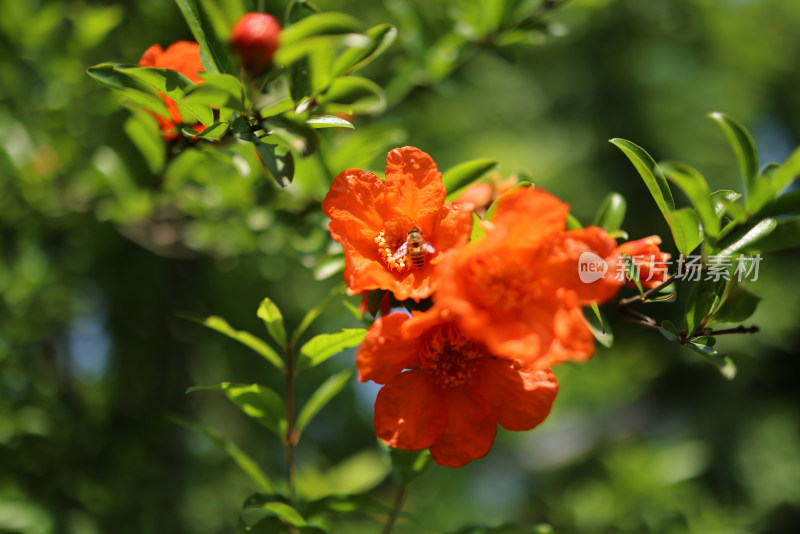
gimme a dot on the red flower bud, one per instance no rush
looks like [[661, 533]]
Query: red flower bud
[[255, 38]]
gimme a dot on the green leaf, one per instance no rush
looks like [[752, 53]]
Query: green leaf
[[322, 396], [279, 509], [329, 121], [650, 173], [669, 331], [324, 346], [128, 87], [245, 338], [319, 24], [785, 204], [739, 305], [410, 465], [216, 51], [685, 229], [315, 312], [785, 236], [750, 237], [694, 186], [573, 223], [295, 134], [723, 363], [477, 229], [704, 299], [257, 401], [278, 160], [721, 199], [245, 463], [329, 266], [358, 94], [173, 84], [380, 38], [787, 172], [273, 320], [466, 173], [743, 146], [507, 528], [599, 327], [611, 213], [214, 96], [276, 108], [143, 131], [347, 504], [227, 83], [214, 132]]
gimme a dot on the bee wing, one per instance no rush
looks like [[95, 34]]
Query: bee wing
[[428, 247], [401, 252]]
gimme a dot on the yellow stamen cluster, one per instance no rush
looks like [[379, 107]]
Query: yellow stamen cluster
[[388, 253]]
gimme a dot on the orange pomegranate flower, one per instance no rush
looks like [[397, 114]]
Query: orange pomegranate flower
[[482, 194], [518, 288], [181, 56], [649, 262], [372, 220], [454, 392]]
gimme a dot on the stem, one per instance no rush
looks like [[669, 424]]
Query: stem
[[647, 294], [741, 329], [397, 506], [290, 439]]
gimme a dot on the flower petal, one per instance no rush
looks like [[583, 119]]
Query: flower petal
[[528, 217], [384, 353], [410, 411], [470, 429], [520, 396], [354, 205], [414, 187]]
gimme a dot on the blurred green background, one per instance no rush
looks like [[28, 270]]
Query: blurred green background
[[98, 254]]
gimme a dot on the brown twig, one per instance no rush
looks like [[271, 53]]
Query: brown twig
[[397, 506]]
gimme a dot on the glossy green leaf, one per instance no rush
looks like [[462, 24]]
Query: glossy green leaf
[[273, 320], [756, 233], [279, 160], [328, 267], [785, 204], [319, 24], [324, 346], [214, 96], [315, 312], [573, 223], [410, 465], [358, 94], [723, 363], [466, 173], [321, 397], [739, 306], [721, 199], [173, 84], [611, 213], [329, 121], [787, 172], [276, 108], [786, 235], [653, 177], [226, 82], [685, 229], [694, 186], [742, 144], [599, 326], [379, 38], [281, 510], [245, 463], [477, 229], [128, 87], [257, 401], [347, 504], [245, 338], [214, 51]]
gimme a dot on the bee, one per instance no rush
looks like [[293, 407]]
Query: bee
[[415, 248]]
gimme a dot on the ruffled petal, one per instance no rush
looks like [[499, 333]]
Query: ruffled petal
[[384, 353], [520, 396], [414, 187], [354, 205], [410, 411], [470, 430]]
